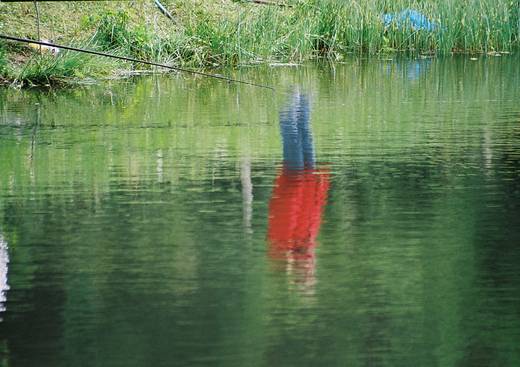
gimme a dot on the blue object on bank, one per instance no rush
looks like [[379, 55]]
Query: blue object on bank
[[409, 17]]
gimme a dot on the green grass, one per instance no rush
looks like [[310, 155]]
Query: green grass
[[114, 32], [226, 33], [3, 60], [48, 69], [329, 29], [333, 28]]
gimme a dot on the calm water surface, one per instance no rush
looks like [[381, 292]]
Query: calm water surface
[[366, 214]]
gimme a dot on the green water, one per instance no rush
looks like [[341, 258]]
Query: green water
[[141, 221]]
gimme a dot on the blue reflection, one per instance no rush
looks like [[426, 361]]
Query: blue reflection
[[410, 69], [416, 68], [298, 149]]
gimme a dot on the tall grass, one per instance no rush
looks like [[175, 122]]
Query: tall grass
[[50, 70], [333, 28], [473, 25], [114, 32], [312, 29], [3, 61]]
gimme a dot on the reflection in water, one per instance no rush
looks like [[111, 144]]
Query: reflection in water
[[298, 149], [410, 69], [415, 68], [4, 260], [417, 264], [247, 193], [299, 194]]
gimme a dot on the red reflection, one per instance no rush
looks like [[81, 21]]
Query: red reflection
[[295, 213]]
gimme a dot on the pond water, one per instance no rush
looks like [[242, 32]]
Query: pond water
[[364, 214]]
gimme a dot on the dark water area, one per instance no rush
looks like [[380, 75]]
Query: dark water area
[[365, 214]]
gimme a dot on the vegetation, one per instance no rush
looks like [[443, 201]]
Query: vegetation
[[235, 33], [3, 61]]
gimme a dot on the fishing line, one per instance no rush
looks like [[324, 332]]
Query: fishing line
[[215, 76]]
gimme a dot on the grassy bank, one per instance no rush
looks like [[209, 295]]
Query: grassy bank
[[225, 32]]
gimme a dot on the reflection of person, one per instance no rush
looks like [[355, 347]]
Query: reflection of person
[[4, 259], [299, 194], [298, 149]]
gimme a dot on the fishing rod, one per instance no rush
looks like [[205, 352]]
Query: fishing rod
[[216, 76]]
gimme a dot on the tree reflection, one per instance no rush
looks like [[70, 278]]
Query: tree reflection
[[299, 194], [4, 260]]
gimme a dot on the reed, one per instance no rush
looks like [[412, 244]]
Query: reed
[[314, 29], [334, 28]]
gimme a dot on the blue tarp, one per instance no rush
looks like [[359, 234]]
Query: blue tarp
[[411, 18]]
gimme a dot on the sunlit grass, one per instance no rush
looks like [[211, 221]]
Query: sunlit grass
[[51, 70], [312, 29], [333, 28]]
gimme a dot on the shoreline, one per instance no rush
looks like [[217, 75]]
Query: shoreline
[[229, 33], [126, 73]]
